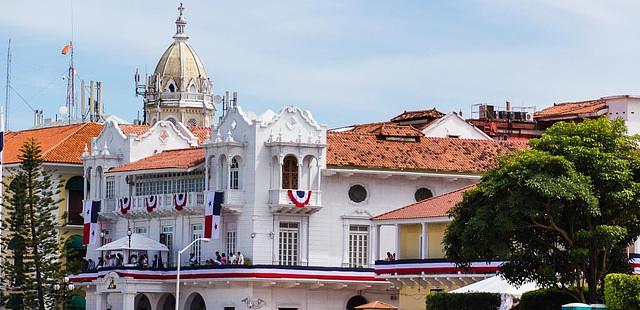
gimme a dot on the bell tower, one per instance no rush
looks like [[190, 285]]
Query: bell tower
[[179, 89]]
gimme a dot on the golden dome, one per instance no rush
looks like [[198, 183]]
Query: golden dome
[[180, 66]]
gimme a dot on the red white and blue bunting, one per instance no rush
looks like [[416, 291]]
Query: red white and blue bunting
[[125, 205], [151, 202], [299, 198], [179, 201]]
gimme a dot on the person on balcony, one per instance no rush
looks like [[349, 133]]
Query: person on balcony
[[223, 259], [240, 260], [193, 261], [100, 262], [133, 259], [218, 259]]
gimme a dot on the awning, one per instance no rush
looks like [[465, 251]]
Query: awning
[[75, 242], [78, 302], [499, 285], [138, 243]]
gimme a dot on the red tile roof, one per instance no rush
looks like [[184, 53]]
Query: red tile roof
[[171, 159], [420, 114], [200, 132], [588, 108], [377, 305], [369, 151], [432, 207], [59, 144], [392, 130]]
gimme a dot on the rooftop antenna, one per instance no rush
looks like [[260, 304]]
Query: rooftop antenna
[[71, 73], [8, 85]]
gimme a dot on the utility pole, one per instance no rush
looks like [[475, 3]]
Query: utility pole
[[8, 85]]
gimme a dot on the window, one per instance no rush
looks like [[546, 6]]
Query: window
[[192, 88], [423, 193], [75, 193], [166, 238], [192, 122], [197, 247], [169, 183], [288, 243], [357, 193], [141, 231], [229, 308], [110, 188], [290, 172], [172, 120], [231, 242], [358, 245], [234, 174], [171, 87]]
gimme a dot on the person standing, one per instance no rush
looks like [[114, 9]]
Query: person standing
[[240, 258]]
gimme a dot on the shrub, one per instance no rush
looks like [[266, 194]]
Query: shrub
[[463, 301], [622, 291], [545, 299]]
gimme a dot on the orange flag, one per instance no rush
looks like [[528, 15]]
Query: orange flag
[[66, 48]]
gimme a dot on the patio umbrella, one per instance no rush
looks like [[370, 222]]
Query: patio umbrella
[[138, 243]]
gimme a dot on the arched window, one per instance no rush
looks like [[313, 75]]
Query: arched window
[[171, 86], [172, 120], [192, 122], [290, 172], [234, 174], [75, 193], [192, 87]]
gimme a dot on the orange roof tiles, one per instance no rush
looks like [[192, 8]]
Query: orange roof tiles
[[359, 150], [420, 114], [377, 305], [201, 132], [59, 144], [170, 159], [398, 131], [432, 207], [587, 108]]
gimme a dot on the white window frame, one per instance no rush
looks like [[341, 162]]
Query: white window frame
[[234, 174], [288, 247], [141, 230], [169, 231], [358, 245], [197, 231], [231, 242], [110, 187]]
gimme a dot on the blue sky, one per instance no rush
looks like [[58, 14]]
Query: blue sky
[[346, 61]]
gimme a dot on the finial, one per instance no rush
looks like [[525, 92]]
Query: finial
[[180, 24], [229, 137], [86, 151]]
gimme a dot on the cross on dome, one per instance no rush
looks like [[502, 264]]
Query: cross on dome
[[180, 24], [181, 8]]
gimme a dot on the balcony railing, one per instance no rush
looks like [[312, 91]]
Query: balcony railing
[[288, 201], [165, 206]]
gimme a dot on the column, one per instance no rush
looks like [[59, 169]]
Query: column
[[374, 245], [319, 168], [345, 244], [101, 301], [280, 163], [397, 247], [206, 173], [300, 175], [217, 175], [128, 301], [425, 241], [84, 188], [228, 173]]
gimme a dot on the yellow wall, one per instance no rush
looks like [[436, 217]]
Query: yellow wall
[[435, 236], [410, 240], [413, 298]]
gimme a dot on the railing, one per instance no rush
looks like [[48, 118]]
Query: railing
[[234, 197], [432, 266], [281, 197], [165, 205], [181, 96]]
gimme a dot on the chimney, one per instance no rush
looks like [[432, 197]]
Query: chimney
[[235, 99], [92, 103], [508, 106]]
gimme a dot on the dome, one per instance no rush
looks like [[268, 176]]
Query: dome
[[180, 66]]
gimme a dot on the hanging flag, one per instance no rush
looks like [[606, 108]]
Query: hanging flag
[[179, 201], [66, 49], [299, 198], [90, 227], [151, 202], [125, 205], [212, 211]]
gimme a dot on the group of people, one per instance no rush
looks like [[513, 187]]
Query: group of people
[[220, 259], [117, 260], [390, 256]]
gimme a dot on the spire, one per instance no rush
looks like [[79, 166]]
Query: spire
[[180, 23]]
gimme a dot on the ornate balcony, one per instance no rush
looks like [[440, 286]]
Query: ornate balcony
[[291, 201], [165, 206], [233, 201]]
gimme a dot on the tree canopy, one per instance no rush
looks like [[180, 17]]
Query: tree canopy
[[560, 213]]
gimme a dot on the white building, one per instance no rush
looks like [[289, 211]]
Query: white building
[[315, 253]]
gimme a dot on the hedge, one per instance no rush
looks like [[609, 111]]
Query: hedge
[[622, 291], [463, 301], [545, 299]]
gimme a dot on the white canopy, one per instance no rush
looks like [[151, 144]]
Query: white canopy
[[497, 284], [138, 243]]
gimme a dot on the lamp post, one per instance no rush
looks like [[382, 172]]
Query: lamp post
[[178, 271], [102, 235], [66, 287], [129, 233]]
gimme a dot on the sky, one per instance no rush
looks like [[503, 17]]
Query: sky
[[345, 61]]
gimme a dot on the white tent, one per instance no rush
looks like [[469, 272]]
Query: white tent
[[138, 243], [497, 284]]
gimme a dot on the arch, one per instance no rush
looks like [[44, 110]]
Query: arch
[[192, 87], [222, 172], [355, 301], [192, 122], [195, 302], [74, 190], [290, 172], [142, 302], [172, 120], [309, 172], [166, 302], [99, 183], [171, 86], [234, 172]]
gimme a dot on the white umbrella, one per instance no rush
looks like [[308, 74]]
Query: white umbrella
[[497, 284], [138, 243]]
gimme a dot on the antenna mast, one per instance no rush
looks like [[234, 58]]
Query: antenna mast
[[8, 85]]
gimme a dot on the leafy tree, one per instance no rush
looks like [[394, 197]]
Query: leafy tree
[[560, 213], [33, 246]]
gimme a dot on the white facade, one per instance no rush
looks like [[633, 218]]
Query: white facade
[[453, 125]]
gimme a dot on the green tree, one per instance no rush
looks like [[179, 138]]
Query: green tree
[[34, 249], [560, 213]]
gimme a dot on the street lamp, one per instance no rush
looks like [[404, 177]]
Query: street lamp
[[66, 286], [129, 233], [102, 235], [178, 271]]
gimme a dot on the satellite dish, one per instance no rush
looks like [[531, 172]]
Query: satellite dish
[[217, 99], [63, 110]]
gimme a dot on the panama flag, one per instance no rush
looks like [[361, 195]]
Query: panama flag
[[212, 212], [90, 228]]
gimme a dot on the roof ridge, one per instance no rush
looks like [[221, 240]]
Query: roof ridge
[[426, 200]]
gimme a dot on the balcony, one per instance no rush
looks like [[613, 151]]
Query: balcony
[[233, 201], [281, 202], [164, 207]]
